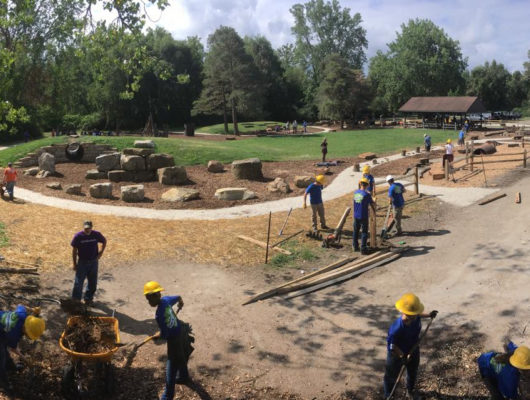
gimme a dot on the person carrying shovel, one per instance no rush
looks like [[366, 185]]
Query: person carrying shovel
[[172, 330], [403, 344]]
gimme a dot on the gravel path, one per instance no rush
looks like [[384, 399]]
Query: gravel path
[[342, 185]]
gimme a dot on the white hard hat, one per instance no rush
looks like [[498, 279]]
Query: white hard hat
[[389, 178]]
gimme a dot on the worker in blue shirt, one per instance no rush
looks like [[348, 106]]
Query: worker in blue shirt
[[427, 141], [170, 330], [395, 198], [371, 181], [361, 200], [14, 325], [403, 343], [315, 199], [461, 137], [501, 372]]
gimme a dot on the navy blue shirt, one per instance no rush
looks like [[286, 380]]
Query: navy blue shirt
[[361, 201], [11, 324], [427, 140], [87, 245], [315, 193], [166, 317], [404, 336], [371, 182], [505, 376], [395, 192]]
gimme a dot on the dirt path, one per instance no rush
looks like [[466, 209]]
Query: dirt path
[[469, 263]]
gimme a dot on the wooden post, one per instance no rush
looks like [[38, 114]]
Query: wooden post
[[524, 158], [416, 181], [472, 154], [484, 171], [523, 140], [446, 169], [467, 153], [268, 239], [373, 229]]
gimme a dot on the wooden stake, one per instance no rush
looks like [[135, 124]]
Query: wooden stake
[[517, 197], [416, 181], [467, 153], [524, 159], [446, 169], [268, 238], [264, 245], [484, 170], [287, 238], [285, 222], [472, 154], [373, 229], [490, 199]]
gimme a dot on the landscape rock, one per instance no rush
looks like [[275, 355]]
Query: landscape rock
[[54, 185], [215, 166], [95, 174], [247, 169], [101, 190], [120, 175], [278, 186], [180, 195], [144, 144], [32, 171], [172, 175], [132, 193], [143, 176], [161, 160], [367, 156], [138, 152], [43, 174], [234, 194], [132, 163], [47, 162], [73, 189], [108, 162], [303, 181]]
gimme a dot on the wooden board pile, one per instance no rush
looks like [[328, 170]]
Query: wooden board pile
[[89, 336], [332, 274]]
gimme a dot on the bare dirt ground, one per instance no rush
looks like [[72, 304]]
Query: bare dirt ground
[[198, 178], [471, 264]]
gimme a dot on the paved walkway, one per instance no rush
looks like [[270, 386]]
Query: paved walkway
[[342, 185]]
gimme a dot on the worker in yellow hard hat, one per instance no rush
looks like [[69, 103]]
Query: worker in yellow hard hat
[[448, 156], [315, 199], [361, 201], [502, 371], [371, 181], [403, 343], [174, 332], [14, 325]]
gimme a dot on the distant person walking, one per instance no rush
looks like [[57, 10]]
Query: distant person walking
[[304, 124], [287, 127], [86, 255], [26, 136], [324, 149], [10, 179], [461, 137], [295, 126], [427, 141], [315, 199], [449, 148]]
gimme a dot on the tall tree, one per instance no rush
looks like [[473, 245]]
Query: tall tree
[[230, 77], [422, 61], [490, 83], [518, 88], [343, 90]]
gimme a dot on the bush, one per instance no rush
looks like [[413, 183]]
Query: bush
[[71, 122], [91, 121]]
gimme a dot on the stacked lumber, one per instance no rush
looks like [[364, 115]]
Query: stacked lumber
[[329, 275]]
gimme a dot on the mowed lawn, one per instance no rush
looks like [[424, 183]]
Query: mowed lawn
[[243, 127], [191, 152]]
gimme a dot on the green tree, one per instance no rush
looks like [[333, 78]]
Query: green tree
[[343, 90], [518, 88], [422, 61], [231, 78], [490, 83]]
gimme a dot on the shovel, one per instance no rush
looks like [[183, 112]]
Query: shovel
[[384, 230]]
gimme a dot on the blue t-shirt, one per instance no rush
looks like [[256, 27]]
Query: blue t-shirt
[[87, 245], [361, 201], [404, 336], [427, 140], [395, 191], [315, 193], [166, 317], [371, 182], [11, 324], [505, 376], [461, 135]]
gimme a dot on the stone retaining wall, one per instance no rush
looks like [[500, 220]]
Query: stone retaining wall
[[91, 151]]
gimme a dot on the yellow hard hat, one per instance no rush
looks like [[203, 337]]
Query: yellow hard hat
[[320, 179], [364, 180], [448, 140], [520, 358], [34, 327], [410, 304], [152, 287], [366, 169]]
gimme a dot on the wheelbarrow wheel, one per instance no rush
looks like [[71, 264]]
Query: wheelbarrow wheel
[[68, 386]]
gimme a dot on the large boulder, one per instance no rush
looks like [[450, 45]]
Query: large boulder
[[144, 144], [138, 152], [95, 174], [303, 181], [234, 194], [54, 186], [120, 175], [108, 162], [32, 171], [172, 175], [47, 162], [74, 189], [101, 190], [215, 166], [132, 163], [247, 169], [132, 193], [279, 186], [180, 195], [161, 160], [143, 176]]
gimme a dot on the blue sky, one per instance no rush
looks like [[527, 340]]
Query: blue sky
[[486, 29]]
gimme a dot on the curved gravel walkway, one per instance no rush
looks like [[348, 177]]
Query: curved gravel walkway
[[342, 185]]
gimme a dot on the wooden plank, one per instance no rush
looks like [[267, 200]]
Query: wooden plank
[[287, 238], [373, 228], [500, 161], [492, 198], [267, 246], [264, 245], [518, 197], [29, 271]]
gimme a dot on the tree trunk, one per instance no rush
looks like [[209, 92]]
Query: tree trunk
[[225, 114], [234, 118]]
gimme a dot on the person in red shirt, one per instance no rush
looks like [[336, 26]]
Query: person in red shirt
[[10, 178]]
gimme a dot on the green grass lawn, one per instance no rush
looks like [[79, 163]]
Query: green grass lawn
[[244, 127], [191, 152]]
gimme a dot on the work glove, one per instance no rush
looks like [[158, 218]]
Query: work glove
[[433, 314]]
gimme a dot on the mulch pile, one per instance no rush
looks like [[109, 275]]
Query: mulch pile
[[89, 335]]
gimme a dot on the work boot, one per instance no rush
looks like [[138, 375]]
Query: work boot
[[356, 249], [365, 251], [325, 227], [412, 395], [89, 303]]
